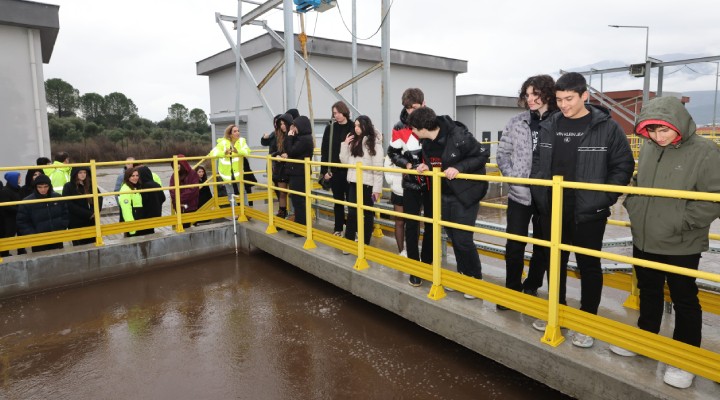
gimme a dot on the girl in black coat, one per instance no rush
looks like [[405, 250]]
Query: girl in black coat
[[152, 201], [81, 211]]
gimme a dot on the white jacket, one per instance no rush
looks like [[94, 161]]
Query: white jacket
[[370, 178], [393, 179]]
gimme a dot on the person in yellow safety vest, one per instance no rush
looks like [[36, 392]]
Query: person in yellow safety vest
[[130, 201], [233, 147], [59, 176]]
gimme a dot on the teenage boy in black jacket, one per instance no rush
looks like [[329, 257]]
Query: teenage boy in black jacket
[[42, 217], [582, 144], [449, 145]]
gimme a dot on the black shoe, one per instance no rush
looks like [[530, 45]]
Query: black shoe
[[414, 281], [502, 308], [531, 292], [282, 213], [297, 234]]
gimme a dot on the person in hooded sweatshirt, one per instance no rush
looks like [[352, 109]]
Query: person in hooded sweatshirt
[[300, 145], [151, 201], [671, 230], [30, 176], [82, 211], [276, 142], [8, 223], [581, 143], [59, 176], [188, 196], [42, 217]]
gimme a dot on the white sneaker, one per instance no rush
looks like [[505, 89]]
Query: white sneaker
[[678, 378], [469, 296], [583, 341], [338, 233], [622, 352], [449, 289], [403, 254], [540, 325]]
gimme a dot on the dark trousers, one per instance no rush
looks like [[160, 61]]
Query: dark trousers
[[368, 216], [586, 234], [466, 255], [518, 218], [683, 292], [297, 183], [339, 186], [413, 202]]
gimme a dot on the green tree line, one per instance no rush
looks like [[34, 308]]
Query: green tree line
[[108, 128]]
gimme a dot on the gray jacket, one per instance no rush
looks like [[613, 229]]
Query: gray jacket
[[514, 155]]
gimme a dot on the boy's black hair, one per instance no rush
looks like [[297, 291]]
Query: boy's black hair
[[423, 118], [43, 161], [412, 96], [544, 86], [571, 82], [61, 156]]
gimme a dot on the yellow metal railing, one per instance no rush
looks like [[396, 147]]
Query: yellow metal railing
[[696, 360]]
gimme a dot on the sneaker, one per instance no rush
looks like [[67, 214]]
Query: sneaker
[[540, 325], [622, 352], [338, 233], [678, 378], [345, 252], [449, 289], [502, 308], [531, 292], [583, 341], [414, 281], [403, 254], [468, 296]]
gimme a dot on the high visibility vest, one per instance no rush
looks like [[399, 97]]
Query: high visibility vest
[[129, 199], [230, 166], [58, 176]]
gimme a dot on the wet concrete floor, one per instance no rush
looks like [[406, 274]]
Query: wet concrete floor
[[247, 328]]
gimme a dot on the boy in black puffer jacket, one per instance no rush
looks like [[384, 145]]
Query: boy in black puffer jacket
[[42, 217]]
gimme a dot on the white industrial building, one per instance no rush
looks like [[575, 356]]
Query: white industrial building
[[27, 36]]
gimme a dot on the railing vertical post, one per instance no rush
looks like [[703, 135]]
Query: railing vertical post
[[270, 199], [241, 189], [309, 242], [96, 205], [176, 188], [553, 336], [437, 291], [213, 167], [633, 300], [361, 262]]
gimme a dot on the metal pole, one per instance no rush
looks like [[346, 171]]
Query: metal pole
[[601, 84], [237, 67], [385, 53], [354, 53], [717, 74], [232, 200], [289, 55], [648, 67], [659, 90]]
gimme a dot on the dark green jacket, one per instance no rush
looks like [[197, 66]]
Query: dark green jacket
[[671, 226]]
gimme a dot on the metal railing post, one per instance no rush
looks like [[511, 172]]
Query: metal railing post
[[361, 263], [309, 243], [213, 168], [553, 336], [241, 190], [96, 205], [176, 188], [270, 199], [633, 300], [437, 291]]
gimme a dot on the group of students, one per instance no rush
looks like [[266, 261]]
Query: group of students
[[561, 134]]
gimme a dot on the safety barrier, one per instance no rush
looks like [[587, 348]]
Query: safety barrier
[[700, 361]]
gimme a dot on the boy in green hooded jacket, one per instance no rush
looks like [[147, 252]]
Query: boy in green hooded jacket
[[671, 230]]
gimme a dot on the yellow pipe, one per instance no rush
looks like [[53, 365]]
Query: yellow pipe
[[553, 336], [178, 206], [96, 205]]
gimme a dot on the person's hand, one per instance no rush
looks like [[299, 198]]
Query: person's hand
[[375, 197], [292, 131], [284, 155], [408, 166], [451, 173], [328, 176], [422, 168], [349, 137]]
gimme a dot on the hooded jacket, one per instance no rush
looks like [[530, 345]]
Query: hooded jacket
[[11, 192], [229, 166], [151, 201], [663, 225], [58, 176], [42, 217], [604, 156], [28, 188], [81, 211], [463, 152], [405, 149], [188, 196], [299, 146]]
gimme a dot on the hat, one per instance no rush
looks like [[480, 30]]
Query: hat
[[302, 123]]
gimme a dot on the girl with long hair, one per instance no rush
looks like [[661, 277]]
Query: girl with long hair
[[82, 211]]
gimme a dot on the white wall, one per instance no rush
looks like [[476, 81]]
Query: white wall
[[481, 119], [23, 110]]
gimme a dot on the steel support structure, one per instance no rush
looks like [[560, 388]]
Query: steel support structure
[[385, 56]]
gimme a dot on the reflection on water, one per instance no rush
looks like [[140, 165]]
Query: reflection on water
[[252, 328]]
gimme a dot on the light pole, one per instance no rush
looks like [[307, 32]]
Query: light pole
[[646, 83]]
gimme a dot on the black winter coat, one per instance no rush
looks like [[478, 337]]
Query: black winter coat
[[80, 210], [330, 152], [464, 153], [9, 213], [604, 156], [42, 217], [298, 147]]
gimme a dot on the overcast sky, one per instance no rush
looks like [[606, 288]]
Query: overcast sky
[[148, 49]]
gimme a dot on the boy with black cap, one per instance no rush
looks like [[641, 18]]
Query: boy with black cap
[[671, 230]]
